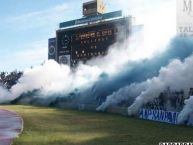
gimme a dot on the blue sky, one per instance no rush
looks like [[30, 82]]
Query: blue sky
[[26, 25]]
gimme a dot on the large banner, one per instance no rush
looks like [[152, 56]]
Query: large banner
[[185, 17], [159, 115]]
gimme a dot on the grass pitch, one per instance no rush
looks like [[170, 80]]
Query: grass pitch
[[50, 126]]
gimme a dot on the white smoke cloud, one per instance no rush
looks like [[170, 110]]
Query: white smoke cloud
[[123, 94], [5, 95], [176, 75], [187, 113], [53, 78]]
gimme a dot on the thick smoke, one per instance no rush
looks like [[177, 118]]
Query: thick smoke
[[177, 75], [186, 115], [6, 96], [137, 72], [52, 78]]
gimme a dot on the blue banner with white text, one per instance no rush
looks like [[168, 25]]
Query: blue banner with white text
[[159, 115]]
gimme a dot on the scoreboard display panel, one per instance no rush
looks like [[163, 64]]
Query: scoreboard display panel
[[82, 43]]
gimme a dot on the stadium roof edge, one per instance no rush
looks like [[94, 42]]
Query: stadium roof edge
[[90, 19], [96, 22]]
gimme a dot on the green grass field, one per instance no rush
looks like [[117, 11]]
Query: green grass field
[[50, 126]]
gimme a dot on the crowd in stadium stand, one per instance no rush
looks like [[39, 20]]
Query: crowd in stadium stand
[[7, 80]]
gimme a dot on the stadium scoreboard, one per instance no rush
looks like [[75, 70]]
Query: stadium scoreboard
[[80, 44], [91, 36]]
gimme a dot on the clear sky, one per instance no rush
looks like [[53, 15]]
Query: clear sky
[[26, 25]]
